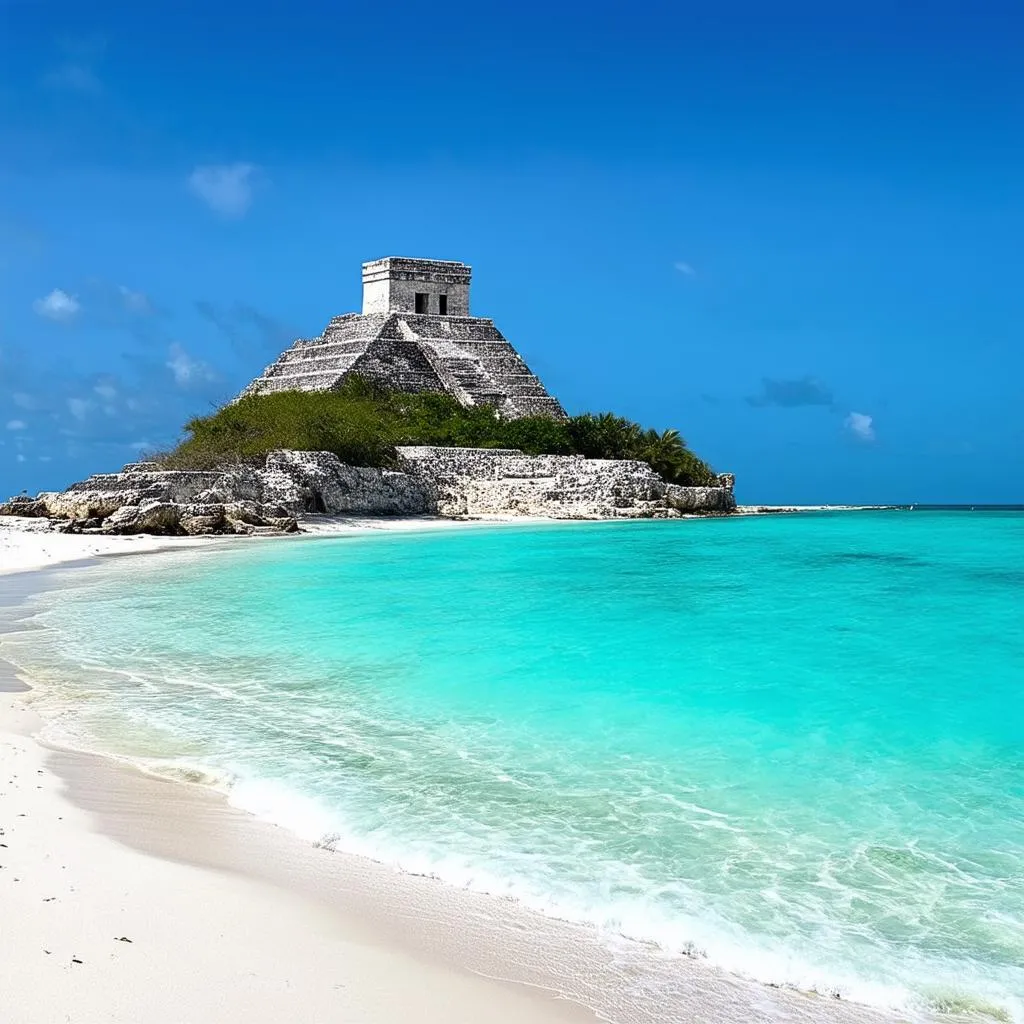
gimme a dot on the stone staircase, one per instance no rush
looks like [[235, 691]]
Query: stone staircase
[[477, 363], [462, 375]]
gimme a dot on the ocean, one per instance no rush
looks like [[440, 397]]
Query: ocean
[[791, 745]]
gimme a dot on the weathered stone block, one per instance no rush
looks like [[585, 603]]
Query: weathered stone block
[[153, 517], [700, 499], [197, 525], [321, 482], [86, 504], [22, 505]]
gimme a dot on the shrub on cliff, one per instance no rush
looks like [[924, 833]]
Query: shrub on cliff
[[363, 425], [607, 436], [354, 427]]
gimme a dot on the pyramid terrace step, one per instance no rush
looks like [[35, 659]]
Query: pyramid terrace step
[[353, 323], [426, 326], [469, 349], [500, 363], [526, 395], [458, 365], [301, 381], [356, 332], [313, 364], [516, 378], [322, 348]]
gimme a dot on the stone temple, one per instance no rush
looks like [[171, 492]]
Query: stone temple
[[415, 333]]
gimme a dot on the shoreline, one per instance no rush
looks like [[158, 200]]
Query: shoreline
[[143, 898], [152, 914], [485, 957], [32, 544]]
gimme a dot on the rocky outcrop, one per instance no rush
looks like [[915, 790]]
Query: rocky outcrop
[[23, 505], [145, 498], [194, 519], [700, 500], [451, 482], [321, 482], [473, 482]]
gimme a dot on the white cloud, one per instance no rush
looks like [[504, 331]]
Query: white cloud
[[107, 391], [19, 457], [685, 268], [58, 305], [23, 400], [186, 370], [861, 425], [135, 302], [79, 407], [16, 424], [226, 188]]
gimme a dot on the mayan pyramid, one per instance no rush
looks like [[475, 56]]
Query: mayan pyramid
[[415, 333]]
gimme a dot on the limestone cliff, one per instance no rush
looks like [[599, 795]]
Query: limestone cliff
[[480, 482], [449, 482]]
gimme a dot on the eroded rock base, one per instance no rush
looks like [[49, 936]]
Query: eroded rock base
[[450, 482]]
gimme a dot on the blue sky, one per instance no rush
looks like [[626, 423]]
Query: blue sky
[[792, 231]]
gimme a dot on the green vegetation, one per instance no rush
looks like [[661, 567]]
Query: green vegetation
[[362, 425]]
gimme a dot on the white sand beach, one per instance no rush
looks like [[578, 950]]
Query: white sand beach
[[27, 544], [98, 930]]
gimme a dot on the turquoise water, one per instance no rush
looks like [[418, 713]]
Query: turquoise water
[[792, 744]]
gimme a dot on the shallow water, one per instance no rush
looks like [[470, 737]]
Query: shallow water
[[792, 744]]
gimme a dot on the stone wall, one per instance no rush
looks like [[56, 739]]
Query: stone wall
[[390, 285], [472, 482]]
